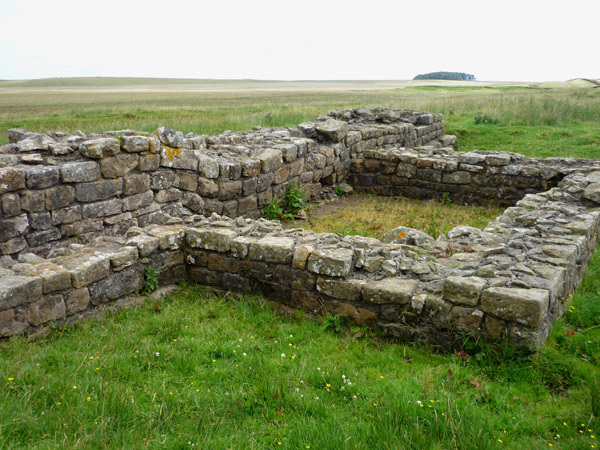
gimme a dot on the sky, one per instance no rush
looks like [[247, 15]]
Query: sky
[[526, 40]]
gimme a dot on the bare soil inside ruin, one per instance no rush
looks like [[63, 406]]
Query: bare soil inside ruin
[[370, 215]]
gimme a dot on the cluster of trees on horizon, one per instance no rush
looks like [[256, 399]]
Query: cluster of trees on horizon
[[459, 76]]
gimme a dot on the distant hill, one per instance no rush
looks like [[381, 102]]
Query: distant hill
[[460, 76]]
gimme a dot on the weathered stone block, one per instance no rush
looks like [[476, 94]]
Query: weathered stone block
[[389, 290], [591, 192], [135, 144], [335, 130], [118, 285], [119, 165], [11, 179], [13, 245], [342, 289], [51, 307], [59, 197], [525, 306], [230, 189], [102, 209], [273, 249], [11, 205], [13, 227], [86, 267], [250, 168], [80, 172], [41, 177], [11, 323], [218, 240], [170, 137], [100, 148], [188, 181], [149, 162], [194, 202], [270, 160], [77, 300], [145, 244], [98, 190], [33, 201], [136, 183], [332, 262], [138, 201], [66, 215], [207, 167], [463, 290], [17, 290], [458, 177], [466, 320]]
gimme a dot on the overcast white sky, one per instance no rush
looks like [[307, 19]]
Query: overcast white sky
[[526, 40]]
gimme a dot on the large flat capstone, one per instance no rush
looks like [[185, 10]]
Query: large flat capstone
[[389, 290], [273, 249], [332, 262], [218, 240], [526, 306]]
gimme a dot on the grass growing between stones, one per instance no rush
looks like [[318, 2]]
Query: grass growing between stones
[[372, 216], [214, 372]]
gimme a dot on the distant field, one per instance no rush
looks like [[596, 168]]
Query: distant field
[[536, 119]]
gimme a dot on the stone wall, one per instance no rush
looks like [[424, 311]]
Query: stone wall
[[474, 177], [57, 187], [508, 281]]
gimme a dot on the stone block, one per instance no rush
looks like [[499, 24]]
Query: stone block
[[119, 165], [80, 172], [136, 183], [13, 227], [77, 300], [33, 201], [145, 244], [270, 159], [49, 308], [118, 285], [229, 190], [193, 202], [100, 148], [102, 209], [341, 289], [331, 262], [66, 215], [250, 167], [138, 201], [220, 263], [463, 290], [525, 306], [162, 179], [336, 130], [188, 181], [466, 320], [86, 267], [149, 162], [13, 245], [207, 166], [264, 182], [98, 190], [218, 240], [123, 258], [135, 144], [59, 197], [11, 179], [17, 290], [11, 323], [41, 177], [170, 137], [272, 249], [11, 205], [458, 177], [389, 290], [169, 237]]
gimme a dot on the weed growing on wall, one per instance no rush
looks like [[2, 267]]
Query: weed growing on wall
[[295, 200]]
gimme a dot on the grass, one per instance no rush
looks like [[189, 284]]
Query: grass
[[219, 372], [208, 370], [372, 216], [558, 121]]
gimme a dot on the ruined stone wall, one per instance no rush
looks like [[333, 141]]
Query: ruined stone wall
[[467, 177], [507, 281], [56, 187]]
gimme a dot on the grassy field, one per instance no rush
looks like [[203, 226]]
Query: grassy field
[[530, 119], [207, 371]]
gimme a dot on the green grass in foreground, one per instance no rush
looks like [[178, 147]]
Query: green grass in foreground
[[222, 373]]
